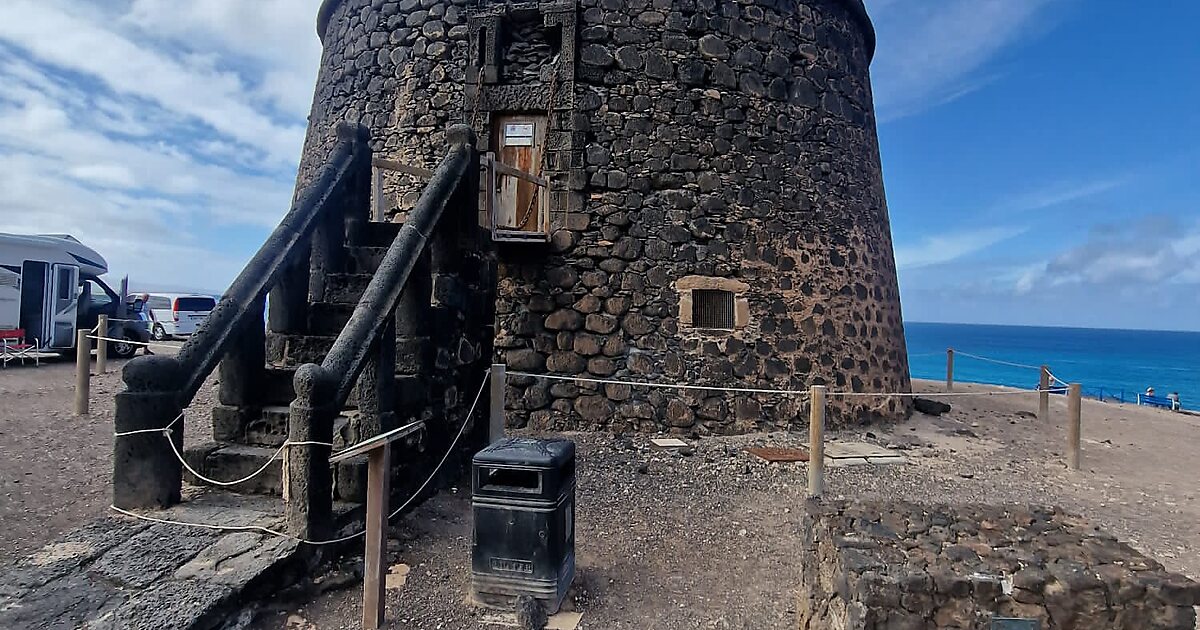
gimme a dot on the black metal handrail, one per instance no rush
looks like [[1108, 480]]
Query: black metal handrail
[[282, 249]]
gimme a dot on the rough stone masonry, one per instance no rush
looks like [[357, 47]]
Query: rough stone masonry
[[697, 150], [901, 566]]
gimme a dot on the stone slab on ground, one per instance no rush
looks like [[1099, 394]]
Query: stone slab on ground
[[122, 573], [840, 450]]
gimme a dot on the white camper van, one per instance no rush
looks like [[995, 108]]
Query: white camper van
[[50, 287]]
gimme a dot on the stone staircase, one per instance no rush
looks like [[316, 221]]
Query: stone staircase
[[371, 326], [247, 437]]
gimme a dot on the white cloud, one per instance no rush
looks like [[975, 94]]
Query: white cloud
[[1062, 193], [934, 51], [162, 133], [189, 85], [949, 246], [1155, 253]]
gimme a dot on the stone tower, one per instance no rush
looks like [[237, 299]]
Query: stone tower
[[714, 213]]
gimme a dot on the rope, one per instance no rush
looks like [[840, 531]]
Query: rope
[[609, 381], [997, 361], [585, 379], [235, 482], [266, 530], [130, 341], [941, 394], [166, 429]]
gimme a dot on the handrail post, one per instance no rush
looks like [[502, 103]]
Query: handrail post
[[1074, 414], [816, 441], [1044, 395], [101, 345], [241, 370], [288, 313], [146, 473], [949, 369], [351, 210], [308, 505], [376, 386], [496, 400]]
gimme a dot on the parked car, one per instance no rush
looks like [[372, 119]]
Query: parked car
[[174, 315]]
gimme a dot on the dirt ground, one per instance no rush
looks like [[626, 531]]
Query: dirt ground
[[56, 467], [708, 540], [664, 540]]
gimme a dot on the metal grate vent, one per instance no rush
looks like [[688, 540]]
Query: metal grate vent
[[712, 308]]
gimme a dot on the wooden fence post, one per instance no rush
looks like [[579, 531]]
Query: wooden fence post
[[496, 417], [1074, 413], [949, 369], [101, 345], [83, 360], [816, 441], [1044, 395]]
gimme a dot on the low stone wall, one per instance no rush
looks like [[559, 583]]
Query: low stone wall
[[900, 566]]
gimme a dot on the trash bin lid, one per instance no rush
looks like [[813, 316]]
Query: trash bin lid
[[550, 454]]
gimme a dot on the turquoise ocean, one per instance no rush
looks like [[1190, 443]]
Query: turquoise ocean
[[1112, 364]]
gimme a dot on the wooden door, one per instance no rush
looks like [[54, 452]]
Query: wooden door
[[520, 141]]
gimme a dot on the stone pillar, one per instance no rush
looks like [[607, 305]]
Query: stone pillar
[[242, 367], [309, 481], [413, 345], [376, 387], [289, 297], [146, 473]]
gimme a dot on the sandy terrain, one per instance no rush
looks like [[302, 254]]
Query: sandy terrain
[[664, 540]]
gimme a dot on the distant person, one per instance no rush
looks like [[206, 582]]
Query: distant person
[[144, 315], [1150, 392], [1174, 398]]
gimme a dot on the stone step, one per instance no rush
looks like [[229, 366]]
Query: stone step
[[277, 386], [328, 319], [226, 462], [267, 426], [378, 234], [291, 351], [222, 461], [346, 288], [364, 259]]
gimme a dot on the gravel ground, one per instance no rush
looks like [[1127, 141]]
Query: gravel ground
[[665, 540], [55, 467], [707, 540]]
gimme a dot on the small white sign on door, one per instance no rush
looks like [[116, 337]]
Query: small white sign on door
[[518, 135]]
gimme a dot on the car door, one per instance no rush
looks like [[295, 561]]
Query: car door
[[64, 306]]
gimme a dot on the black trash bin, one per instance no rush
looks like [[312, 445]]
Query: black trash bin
[[524, 538]]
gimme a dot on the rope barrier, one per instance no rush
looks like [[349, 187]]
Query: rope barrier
[[997, 361], [267, 530], [166, 429], [131, 342], [610, 381], [607, 381]]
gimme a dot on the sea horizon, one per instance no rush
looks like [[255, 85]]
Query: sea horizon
[[1113, 363], [1166, 330]]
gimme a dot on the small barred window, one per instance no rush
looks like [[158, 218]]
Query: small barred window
[[712, 308]]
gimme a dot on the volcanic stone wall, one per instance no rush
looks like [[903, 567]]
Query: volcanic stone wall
[[883, 566], [692, 146]]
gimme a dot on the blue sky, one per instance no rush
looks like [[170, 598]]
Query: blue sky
[[1041, 156]]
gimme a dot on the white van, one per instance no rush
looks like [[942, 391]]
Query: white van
[[50, 287], [176, 314]]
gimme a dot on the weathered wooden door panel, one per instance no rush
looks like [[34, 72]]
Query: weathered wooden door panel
[[520, 141]]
